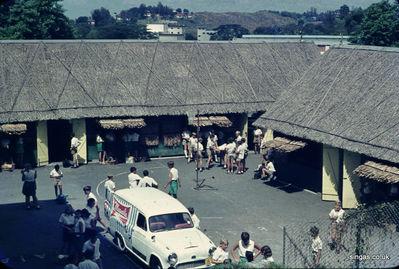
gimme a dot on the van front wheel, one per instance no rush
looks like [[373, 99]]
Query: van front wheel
[[120, 243], [155, 263]]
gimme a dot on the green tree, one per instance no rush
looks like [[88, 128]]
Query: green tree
[[120, 31], [102, 17], [35, 19], [380, 25], [82, 19], [343, 11], [229, 31]]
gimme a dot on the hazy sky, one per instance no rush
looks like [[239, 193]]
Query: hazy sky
[[76, 8]]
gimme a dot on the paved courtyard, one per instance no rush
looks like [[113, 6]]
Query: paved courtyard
[[32, 239]]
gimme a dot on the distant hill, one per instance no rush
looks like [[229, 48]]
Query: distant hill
[[211, 20]]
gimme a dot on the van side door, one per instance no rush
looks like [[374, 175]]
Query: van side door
[[141, 238]]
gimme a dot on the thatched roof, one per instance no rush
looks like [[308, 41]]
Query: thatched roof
[[201, 121], [347, 99], [111, 124], [380, 172], [13, 129], [43, 80], [117, 124], [134, 123], [221, 121], [285, 145]]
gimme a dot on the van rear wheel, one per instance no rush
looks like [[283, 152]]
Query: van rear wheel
[[155, 263], [120, 243]]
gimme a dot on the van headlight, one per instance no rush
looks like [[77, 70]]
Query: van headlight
[[211, 250], [172, 258]]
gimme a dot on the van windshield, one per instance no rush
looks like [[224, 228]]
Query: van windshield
[[173, 221]]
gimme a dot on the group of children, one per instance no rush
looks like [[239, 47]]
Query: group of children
[[245, 248], [234, 152]]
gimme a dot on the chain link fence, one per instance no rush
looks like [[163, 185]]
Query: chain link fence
[[370, 239]]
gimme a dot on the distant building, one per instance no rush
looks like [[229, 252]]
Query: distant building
[[323, 42], [204, 34], [171, 37], [91, 21], [167, 30]]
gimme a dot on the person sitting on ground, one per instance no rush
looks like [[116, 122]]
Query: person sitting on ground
[[220, 255], [72, 262], [337, 225], [134, 179], [267, 255], [316, 246], [194, 218], [95, 213], [57, 174], [88, 262], [90, 223], [269, 170], [243, 246], [147, 181]]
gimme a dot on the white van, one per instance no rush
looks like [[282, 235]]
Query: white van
[[156, 228]]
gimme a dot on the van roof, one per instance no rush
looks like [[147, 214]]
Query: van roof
[[151, 201]]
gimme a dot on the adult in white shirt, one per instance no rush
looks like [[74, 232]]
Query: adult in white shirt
[[230, 150], [244, 245], [134, 179], [174, 180], [337, 218], [257, 140], [57, 174], [220, 255], [109, 187], [74, 150], [316, 246], [194, 218], [88, 263], [147, 181], [93, 244]]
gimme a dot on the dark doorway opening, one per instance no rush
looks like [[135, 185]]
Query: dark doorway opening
[[59, 140]]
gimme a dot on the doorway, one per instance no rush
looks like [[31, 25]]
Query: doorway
[[59, 139]]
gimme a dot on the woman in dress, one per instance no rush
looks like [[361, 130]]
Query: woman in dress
[[29, 188], [100, 149]]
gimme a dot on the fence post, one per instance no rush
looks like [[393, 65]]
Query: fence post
[[284, 245]]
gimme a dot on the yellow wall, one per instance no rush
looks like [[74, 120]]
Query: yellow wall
[[350, 182], [79, 128], [269, 135], [330, 174], [244, 130], [42, 143]]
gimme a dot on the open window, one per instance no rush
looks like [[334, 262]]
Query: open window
[[141, 222]]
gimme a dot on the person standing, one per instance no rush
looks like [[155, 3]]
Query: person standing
[[100, 149], [210, 149], [220, 255], [230, 149], [109, 186], [57, 175], [174, 180], [337, 224], [147, 181], [79, 232], [192, 146], [134, 179], [245, 245], [74, 150], [93, 244], [185, 141], [29, 188], [316, 246], [238, 136], [197, 155], [194, 218], [257, 140], [67, 222], [240, 151]]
